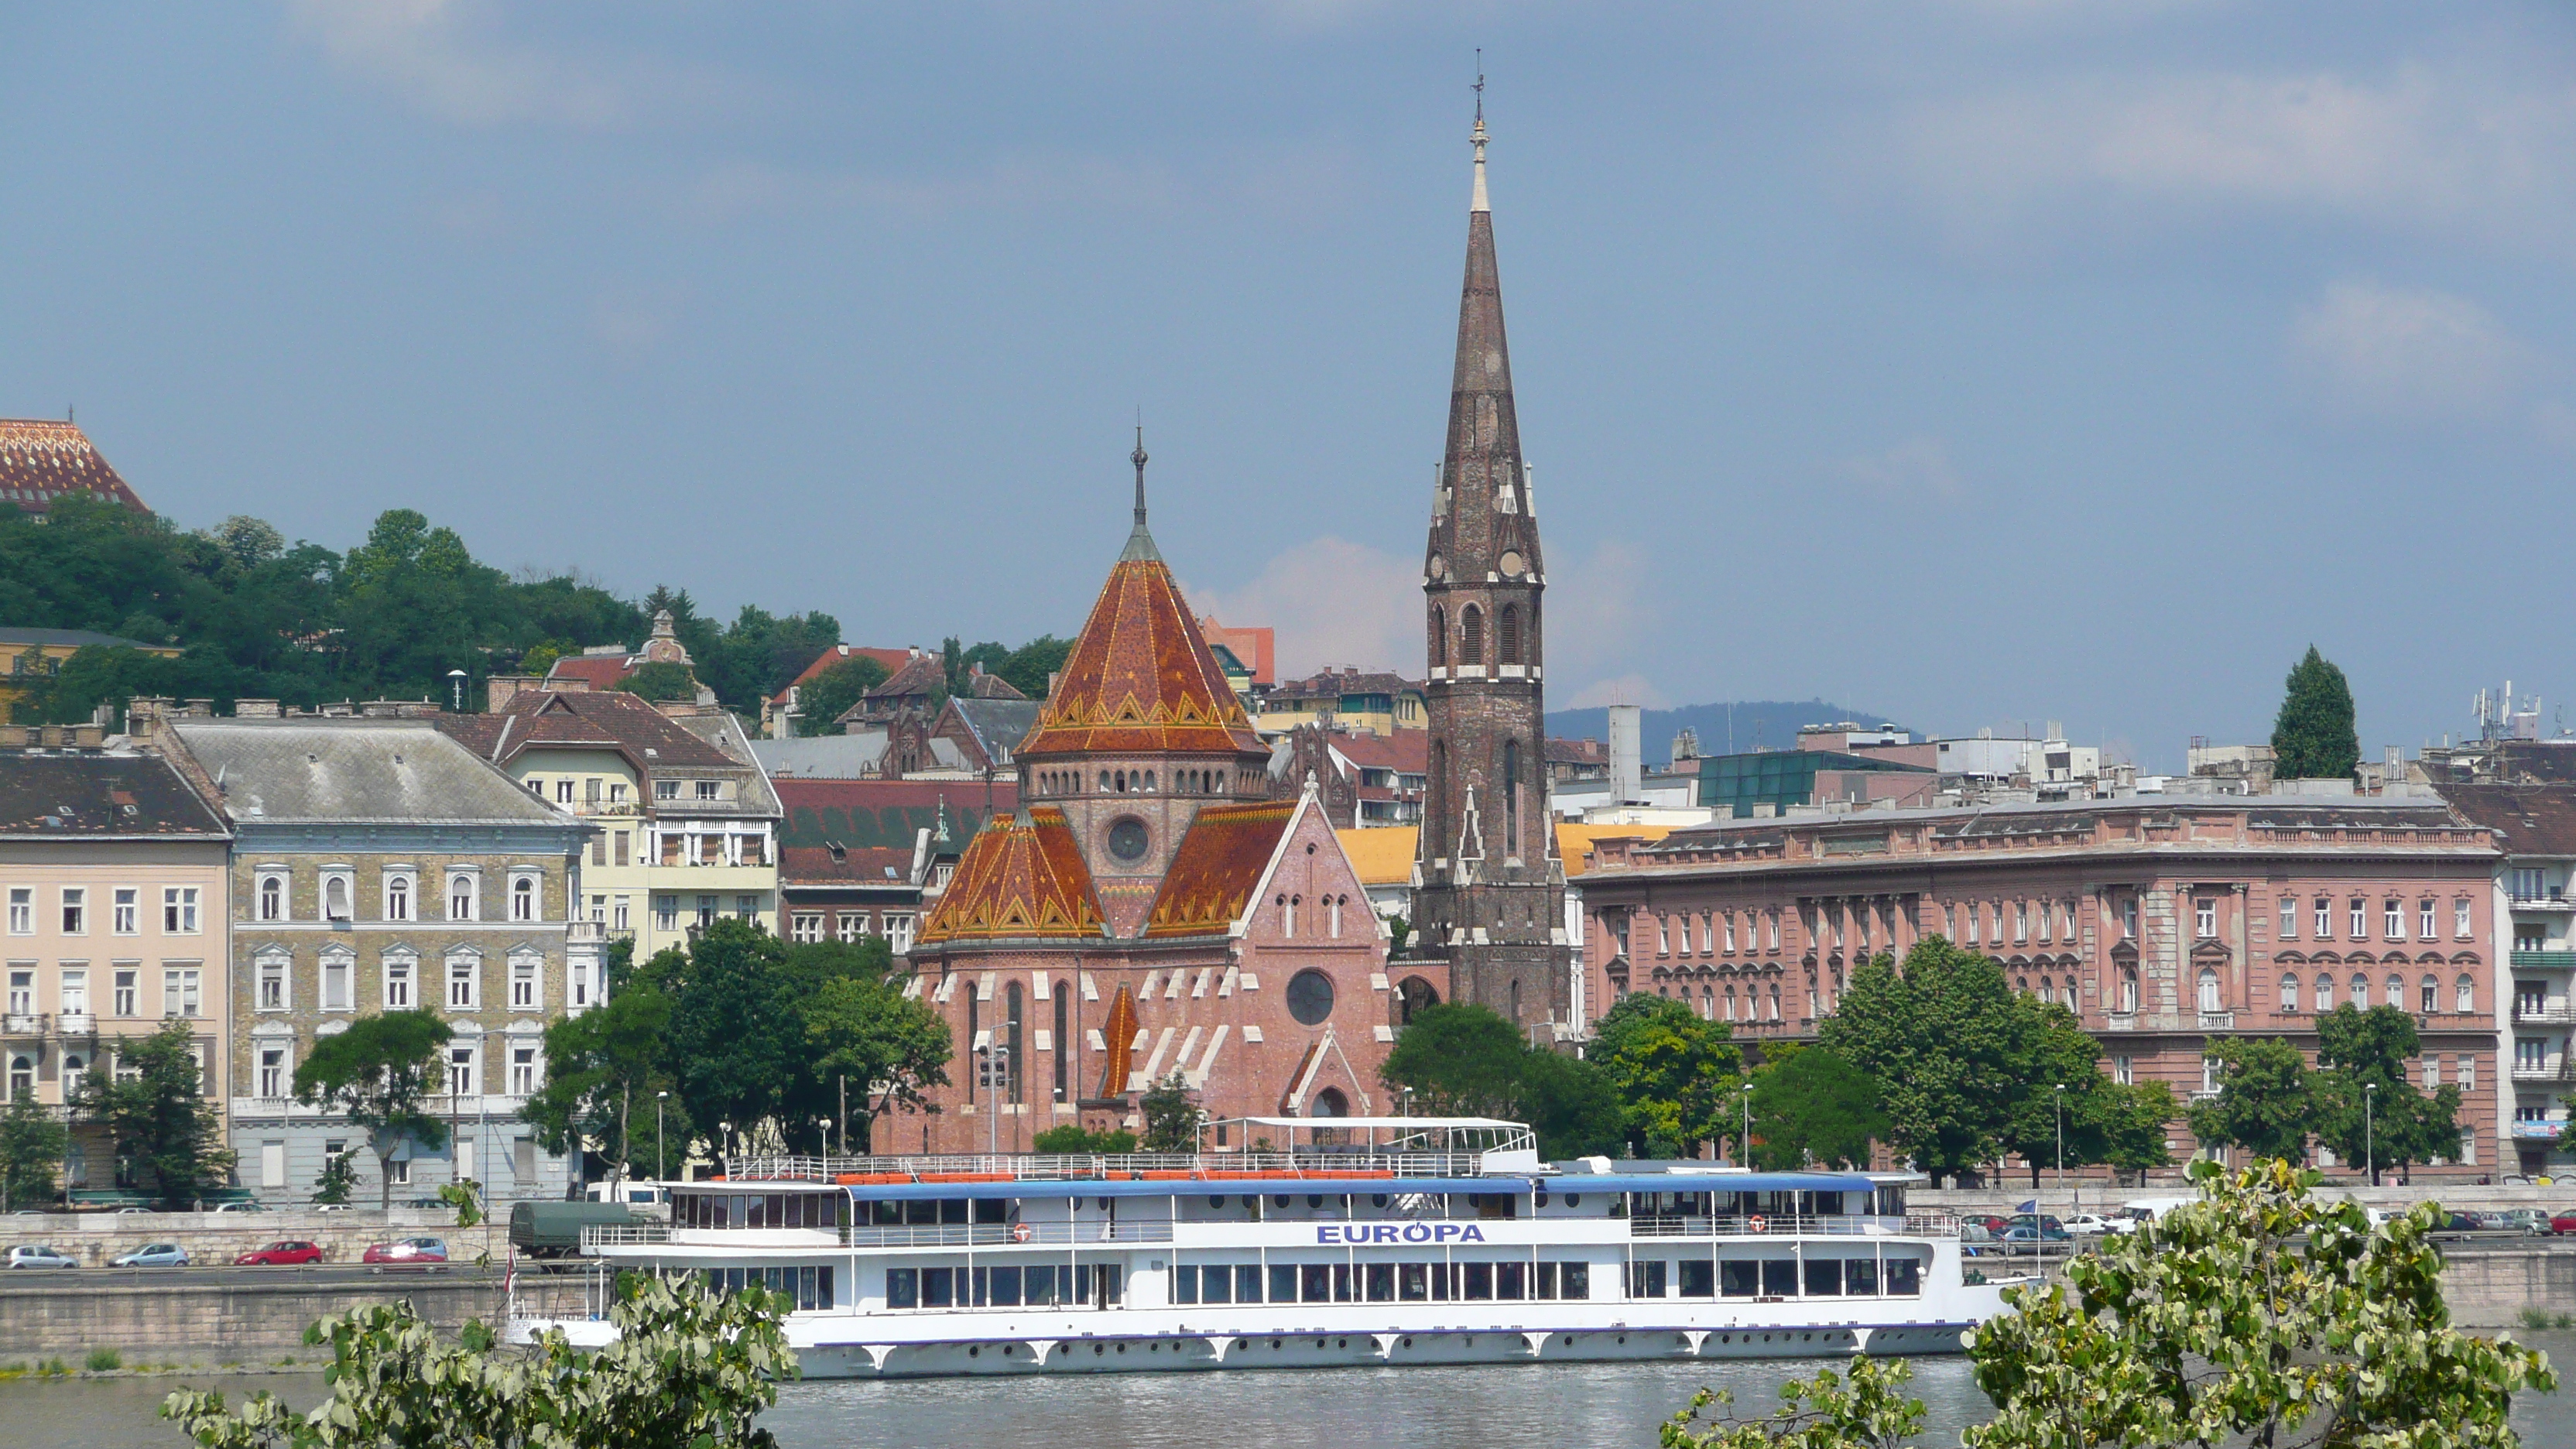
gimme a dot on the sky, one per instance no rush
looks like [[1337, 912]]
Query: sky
[[1976, 362]]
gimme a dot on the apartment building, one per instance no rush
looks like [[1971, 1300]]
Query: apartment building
[[2536, 824], [685, 821], [379, 866], [2165, 923], [113, 870]]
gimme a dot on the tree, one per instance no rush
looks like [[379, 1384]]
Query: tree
[[1673, 1072], [661, 681], [1172, 1120], [2134, 1116], [338, 1182], [1952, 1050], [2265, 1101], [2260, 1315], [823, 698], [2369, 1109], [32, 1144], [688, 1366], [158, 1116], [380, 1074], [599, 1066], [2314, 738], [1811, 1105], [865, 1031], [2062, 1055], [1458, 1060], [1570, 1104]]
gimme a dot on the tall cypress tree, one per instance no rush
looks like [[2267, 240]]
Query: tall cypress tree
[[2314, 738]]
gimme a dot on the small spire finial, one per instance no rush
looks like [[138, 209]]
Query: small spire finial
[[1140, 544], [1477, 137]]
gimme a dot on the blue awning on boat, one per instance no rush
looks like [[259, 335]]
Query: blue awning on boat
[[1042, 1189], [1707, 1182]]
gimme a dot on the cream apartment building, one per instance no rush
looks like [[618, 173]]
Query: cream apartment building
[[113, 873]]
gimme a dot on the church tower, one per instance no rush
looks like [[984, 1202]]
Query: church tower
[[1489, 891]]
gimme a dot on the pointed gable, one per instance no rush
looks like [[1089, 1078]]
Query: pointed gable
[[1140, 677], [1218, 867], [1021, 878]]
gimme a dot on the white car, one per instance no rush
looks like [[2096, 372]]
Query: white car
[[2087, 1225]]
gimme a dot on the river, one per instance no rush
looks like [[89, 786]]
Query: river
[[1498, 1407]]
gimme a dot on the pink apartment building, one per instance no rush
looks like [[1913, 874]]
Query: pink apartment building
[[2165, 922]]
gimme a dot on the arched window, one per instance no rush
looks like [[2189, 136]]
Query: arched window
[[1011, 1004], [1288, 919], [75, 1068], [1471, 635], [2465, 995], [272, 898], [1439, 635], [2047, 989], [1511, 634], [523, 898], [2396, 992], [1333, 916], [398, 898], [2325, 993], [335, 898], [2290, 994], [2208, 990], [1708, 1002], [2360, 993], [1775, 1003], [1331, 1103], [1104, 782], [2067, 986], [2129, 989], [2432, 996], [22, 1077], [1512, 805], [1730, 1003], [1063, 1042]]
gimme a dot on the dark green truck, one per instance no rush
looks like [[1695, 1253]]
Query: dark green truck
[[553, 1229]]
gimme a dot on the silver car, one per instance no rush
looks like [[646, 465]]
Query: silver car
[[152, 1255], [37, 1255]]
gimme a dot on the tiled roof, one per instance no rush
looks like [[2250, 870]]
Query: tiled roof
[[997, 724], [1406, 751], [1119, 1036], [42, 460], [1140, 678], [611, 719], [840, 654], [886, 813], [1217, 868], [1330, 685], [2531, 819], [866, 865], [600, 671], [926, 674], [991, 686], [274, 772], [89, 794], [1577, 752], [1022, 878]]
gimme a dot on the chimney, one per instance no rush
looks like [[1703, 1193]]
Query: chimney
[[1627, 757], [500, 689], [257, 709]]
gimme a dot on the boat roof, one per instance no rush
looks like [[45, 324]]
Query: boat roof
[[1323, 1184], [1383, 1124]]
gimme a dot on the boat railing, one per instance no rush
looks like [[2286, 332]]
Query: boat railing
[[623, 1235], [1103, 1167], [902, 1235], [1748, 1225]]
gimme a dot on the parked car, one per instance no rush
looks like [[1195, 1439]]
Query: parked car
[[422, 1202], [331, 1207], [37, 1255], [409, 1253], [125, 1212], [2032, 1237], [1975, 1241], [2459, 1223], [283, 1252], [2490, 1221], [2024, 1220], [2564, 1221], [152, 1255], [2092, 1225], [246, 1205], [2527, 1221], [1991, 1222]]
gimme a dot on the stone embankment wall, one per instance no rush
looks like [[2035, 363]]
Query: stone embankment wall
[[174, 1317], [2094, 1197], [213, 1238]]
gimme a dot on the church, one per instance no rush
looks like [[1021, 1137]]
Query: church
[[1150, 911]]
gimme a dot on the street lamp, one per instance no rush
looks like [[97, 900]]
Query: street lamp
[[823, 1129], [2061, 1139], [456, 681], [2370, 1131], [660, 1169], [724, 1144], [1744, 1147]]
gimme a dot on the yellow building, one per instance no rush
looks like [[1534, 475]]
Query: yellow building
[[28, 657], [1382, 703]]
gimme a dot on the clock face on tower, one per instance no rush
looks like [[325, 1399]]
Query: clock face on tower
[[1127, 839]]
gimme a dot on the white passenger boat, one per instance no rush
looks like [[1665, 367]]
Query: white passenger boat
[[1400, 1240]]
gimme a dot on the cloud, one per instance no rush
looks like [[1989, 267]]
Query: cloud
[[440, 56], [1915, 467], [2411, 353], [630, 323], [1626, 689], [2449, 149], [1333, 602]]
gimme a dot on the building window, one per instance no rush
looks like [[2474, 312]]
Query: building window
[[126, 918], [706, 911], [2209, 990], [2468, 1072], [2464, 995], [129, 991], [75, 911], [2431, 993], [2325, 993], [2424, 918], [666, 789], [746, 907], [850, 926], [272, 898], [75, 989], [75, 1074], [460, 1071], [666, 913], [2394, 924], [22, 1078], [273, 1075], [563, 792], [2124, 1071], [397, 984], [179, 992], [617, 914], [622, 851], [2289, 918], [2360, 919], [22, 991], [899, 931], [2129, 989], [2204, 918], [2527, 883], [22, 911], [272, 984], [2360, 992], [461, 897], [523, 985], [1471, 635], [2129, 918], [461, 982], [523, 898], [336, 971], [2290, 994], [523, 1070], [708, 789], [2325, 919], [2460, 918], [397, 898], [2396, 993], [2432, 1073], [805, 926]]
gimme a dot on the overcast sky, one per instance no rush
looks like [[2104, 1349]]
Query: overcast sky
[[1972, 362]]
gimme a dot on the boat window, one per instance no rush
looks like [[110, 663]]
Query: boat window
[[1216, 1199], [808, 1286], [1279, 1200], [1377, 1199], [1646, 1280], [1185, 1284], [1381, 1282], [1738, 1277], [1698, 1278], [1344, 1290], [1283, 1282], [1904, 1277], [1218, 1285], [1542, 1198], [1414, 1282], [1779, 1277], [997, 1287], [903, 1288], [1860, 1275], [1480, 1281], [1315, 1283], [1824, 1276], [1044, 1285], [1247, 1283], [1511, 1280], [991, 1209], [1574, 1199], [938, 1287]]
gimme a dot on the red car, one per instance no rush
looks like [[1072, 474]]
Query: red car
[[286, 1251], [2565, 1222], [409, 1253], [1994, 1223]]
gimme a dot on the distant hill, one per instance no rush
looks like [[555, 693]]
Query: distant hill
[[1722, 728]]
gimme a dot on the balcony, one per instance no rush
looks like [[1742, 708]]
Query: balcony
[[2555, 899], [78, 1023], [23, 1023], [2556, 1013], [2218, 1021], [2542, 1075], [2120, 1021], [2537, 1131], [2544, 960]]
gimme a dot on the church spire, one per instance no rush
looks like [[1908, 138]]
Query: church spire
[[1476, 138], [1140, 544]]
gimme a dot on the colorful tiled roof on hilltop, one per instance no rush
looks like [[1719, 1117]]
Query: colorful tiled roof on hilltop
[[42, 460], [1020, 879], [1218, 867]]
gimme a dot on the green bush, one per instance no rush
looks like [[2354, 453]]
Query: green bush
[[2540, 1318], [105, 1360], [1072, 1140]]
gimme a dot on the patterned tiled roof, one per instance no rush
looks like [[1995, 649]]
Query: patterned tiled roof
[[1119, 1036], [1140, 678], [42, 460], [1217, 868], [1021, 878], [866, 865]]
